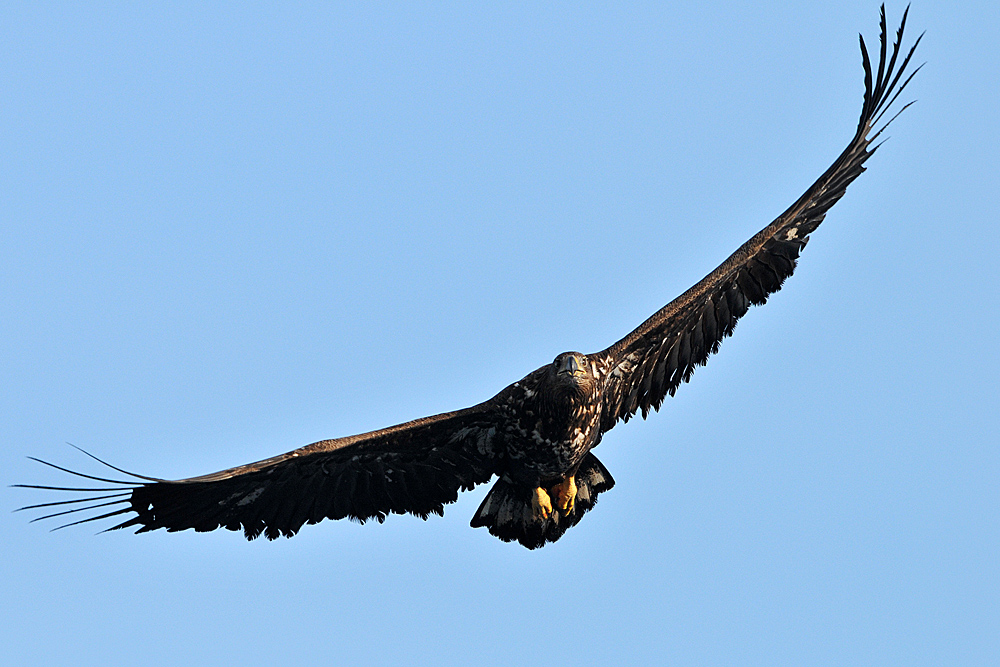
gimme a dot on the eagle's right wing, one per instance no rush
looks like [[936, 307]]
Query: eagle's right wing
[[652, 361], [416, 467]]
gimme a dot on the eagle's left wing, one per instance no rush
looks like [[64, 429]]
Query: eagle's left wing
[[642, 368], [416, 467]]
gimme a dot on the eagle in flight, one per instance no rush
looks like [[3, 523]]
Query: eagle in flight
[[536, 436]]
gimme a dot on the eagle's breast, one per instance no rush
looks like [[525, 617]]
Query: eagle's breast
[[549, 427]]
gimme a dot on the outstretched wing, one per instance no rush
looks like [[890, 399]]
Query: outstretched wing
[[416, 467], [652, 361]]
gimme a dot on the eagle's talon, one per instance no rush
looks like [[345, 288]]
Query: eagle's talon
[[565, 494], [541, 504]]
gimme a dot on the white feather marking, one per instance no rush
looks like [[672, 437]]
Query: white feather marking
[[792, 234], [252, 496]]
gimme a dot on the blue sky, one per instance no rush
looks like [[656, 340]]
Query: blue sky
[[230, 231]]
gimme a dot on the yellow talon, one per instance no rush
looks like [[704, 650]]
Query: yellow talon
[[565, 493], [541, 504]]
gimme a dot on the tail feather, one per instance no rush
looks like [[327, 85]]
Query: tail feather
[[506, 510]]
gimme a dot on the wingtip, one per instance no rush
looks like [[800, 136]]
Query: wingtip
[[116, 468]]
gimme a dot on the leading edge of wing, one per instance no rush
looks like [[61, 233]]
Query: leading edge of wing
[[336, 444]]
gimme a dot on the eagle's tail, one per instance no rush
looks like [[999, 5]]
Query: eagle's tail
[[506, 510]]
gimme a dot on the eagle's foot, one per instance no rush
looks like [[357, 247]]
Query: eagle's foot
[[541, 504], [565, 495]]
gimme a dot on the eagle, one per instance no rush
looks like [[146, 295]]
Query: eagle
[[536, 436]]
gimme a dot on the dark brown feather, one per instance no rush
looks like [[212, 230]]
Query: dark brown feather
[[637, 365], [416, 467]]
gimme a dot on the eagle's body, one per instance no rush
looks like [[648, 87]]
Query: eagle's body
[[551, 421], [536, 435]]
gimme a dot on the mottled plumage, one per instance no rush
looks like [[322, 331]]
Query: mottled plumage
[[536, 435]]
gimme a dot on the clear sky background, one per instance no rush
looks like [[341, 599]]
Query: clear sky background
[[229, 231]]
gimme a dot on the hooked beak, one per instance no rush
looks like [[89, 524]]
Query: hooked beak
[[571, 366]]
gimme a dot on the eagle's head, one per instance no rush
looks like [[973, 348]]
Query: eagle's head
[[574, 372]]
